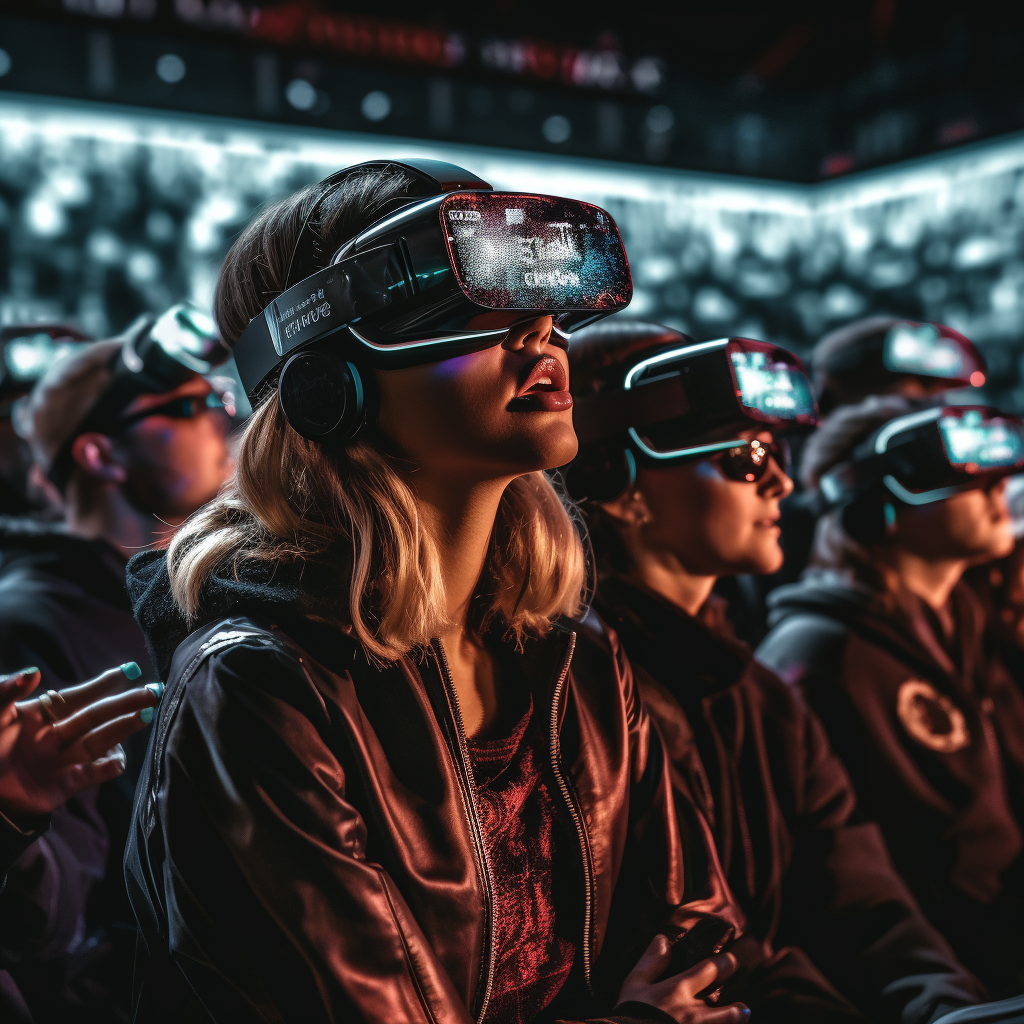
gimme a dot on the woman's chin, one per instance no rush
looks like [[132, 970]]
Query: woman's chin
[[551, 448]]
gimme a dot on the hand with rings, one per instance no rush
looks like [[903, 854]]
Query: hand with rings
[[57, 744]]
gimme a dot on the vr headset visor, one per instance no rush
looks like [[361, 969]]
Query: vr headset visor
[[930, 455], [157, 356], [914, 349], [447, 275], [28, 352], [692, 400], [926, 351]]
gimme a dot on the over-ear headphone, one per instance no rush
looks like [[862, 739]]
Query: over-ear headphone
[[601, 474], [322, 396]]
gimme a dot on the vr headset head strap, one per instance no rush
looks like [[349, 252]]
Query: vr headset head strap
[[444, 177]]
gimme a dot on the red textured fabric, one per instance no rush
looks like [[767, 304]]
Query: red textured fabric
[[517, 816]]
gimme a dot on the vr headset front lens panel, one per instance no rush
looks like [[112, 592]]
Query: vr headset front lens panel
[[26, 359], [189, 337], [922, 350], [527, 252], [974, 443], [770, 385]]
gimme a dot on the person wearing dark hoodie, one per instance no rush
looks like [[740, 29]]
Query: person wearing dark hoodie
[[393, 777], [131, 453], [670, 511], [51, 748], [876, 355], [888, 645]]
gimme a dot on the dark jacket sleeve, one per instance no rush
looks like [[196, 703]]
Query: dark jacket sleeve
[[865, 928], [846, 900], [14, 839], [43, 905], [276, 909], [781, 987]]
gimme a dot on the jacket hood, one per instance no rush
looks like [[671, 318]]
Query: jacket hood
[[826, 592], [93, 566], [265, 590]]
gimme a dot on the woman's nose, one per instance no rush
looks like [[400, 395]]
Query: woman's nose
[[534, 335], [776, 483]]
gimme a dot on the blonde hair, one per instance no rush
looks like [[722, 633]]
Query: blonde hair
[[353, 511]]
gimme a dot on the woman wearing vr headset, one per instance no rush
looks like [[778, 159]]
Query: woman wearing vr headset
[[680, 471], [888, 645], [391, 779]]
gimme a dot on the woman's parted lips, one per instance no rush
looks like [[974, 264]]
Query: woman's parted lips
[[547, 374]]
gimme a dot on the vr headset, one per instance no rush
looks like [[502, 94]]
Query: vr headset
[[158, 355], [434, 278], [927, 456], [914, 349], [688, 401], [28, 351]]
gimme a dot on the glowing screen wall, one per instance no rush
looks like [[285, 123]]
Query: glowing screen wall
[[106, 212]]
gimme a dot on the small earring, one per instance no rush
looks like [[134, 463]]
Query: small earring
[[641, 517], [889, 516]]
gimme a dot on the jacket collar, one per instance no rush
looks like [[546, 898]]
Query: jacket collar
[[678, 650]]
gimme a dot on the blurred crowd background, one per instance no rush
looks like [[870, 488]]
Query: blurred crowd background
[[808, 168]]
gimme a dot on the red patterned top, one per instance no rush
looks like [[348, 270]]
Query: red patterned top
[[517, 814]]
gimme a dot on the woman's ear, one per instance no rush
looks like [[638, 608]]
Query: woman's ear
[[629, 510], [95, 455]]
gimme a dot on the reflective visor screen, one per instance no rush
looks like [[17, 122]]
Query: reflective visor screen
[[535, 252], [976, 443], [27, 358], [188, 336], [770, 389], [920, 349]]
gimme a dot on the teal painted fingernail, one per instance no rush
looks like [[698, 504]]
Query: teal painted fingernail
[[30, 671], [146, 714], [157, 689], [131, 670]]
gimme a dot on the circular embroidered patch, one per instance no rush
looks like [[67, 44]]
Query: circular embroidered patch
[[931, 718]]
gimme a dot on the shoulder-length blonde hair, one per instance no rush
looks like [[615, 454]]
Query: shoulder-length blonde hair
[[291, 501]]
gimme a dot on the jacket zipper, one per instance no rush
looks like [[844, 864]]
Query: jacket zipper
[[473, 817], [574, 811]]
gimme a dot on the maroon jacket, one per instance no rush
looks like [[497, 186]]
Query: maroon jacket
[[306, 844], [805, 867]]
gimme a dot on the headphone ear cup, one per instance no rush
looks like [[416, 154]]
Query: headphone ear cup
[[600, 474], [322, 396], [865, 519]]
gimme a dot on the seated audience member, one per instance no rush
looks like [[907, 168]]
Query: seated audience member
[[26, 350], [670, 510], [396, 779], [135, 442], [888, 645], [880, 355], [52, 747]]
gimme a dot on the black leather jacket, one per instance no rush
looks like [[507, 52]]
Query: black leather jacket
[[306, 844]]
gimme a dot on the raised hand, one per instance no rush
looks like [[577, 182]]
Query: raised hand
[[61, 742], [678, 995]]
